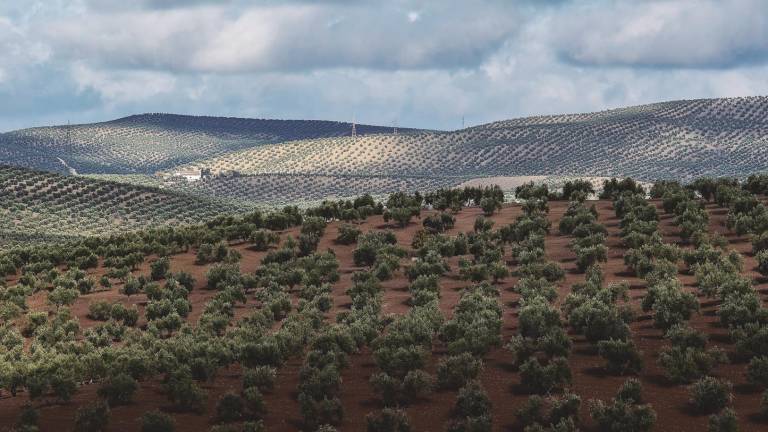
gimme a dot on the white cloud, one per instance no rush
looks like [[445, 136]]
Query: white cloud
[[683, 33], [297, 36], [123, 87], [404, 59]]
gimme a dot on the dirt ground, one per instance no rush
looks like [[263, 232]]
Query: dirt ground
[[499, 379]]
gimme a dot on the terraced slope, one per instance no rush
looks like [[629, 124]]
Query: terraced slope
[[679, 139], [44, 206], [151, 142]]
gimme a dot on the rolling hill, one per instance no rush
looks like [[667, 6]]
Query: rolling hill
[[151, 142], [42, 206], [679, 139], [275, 162]]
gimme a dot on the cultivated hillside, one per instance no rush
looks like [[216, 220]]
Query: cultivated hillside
[[37, 205], [151, 142], [679, 139]]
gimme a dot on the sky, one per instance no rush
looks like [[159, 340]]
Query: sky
[[420, 64]]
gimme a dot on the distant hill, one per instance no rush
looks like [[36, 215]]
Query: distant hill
[[679, 139], [36, 205], [144, 144], [275, 162]]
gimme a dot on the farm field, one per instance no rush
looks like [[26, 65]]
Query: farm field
[[144, 144], [262, 163], [45, 207], [674, 140], [397, 313]]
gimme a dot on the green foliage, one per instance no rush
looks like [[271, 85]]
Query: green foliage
[[160, 268], [710, 395], [157, 421], [388, 420], [622, 356], [631, 391], [92, 418], [725, 421], [457, 370], [348, 234], [544, 379], [229, 408], [118, 389]]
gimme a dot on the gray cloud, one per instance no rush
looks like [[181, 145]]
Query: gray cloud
[[684, 33], [422, 63], [304, 36]]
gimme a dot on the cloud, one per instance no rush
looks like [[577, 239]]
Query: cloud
[[679, 34], [297, 36], [422, 63]]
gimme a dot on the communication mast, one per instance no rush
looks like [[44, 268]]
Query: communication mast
[[394, 127], [354, 129], [69, 135]]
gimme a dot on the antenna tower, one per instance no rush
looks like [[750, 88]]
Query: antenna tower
[[462, 122], [354, 129], [69, 135], [394, 127]]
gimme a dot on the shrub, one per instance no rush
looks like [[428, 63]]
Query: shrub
[[764, 405], [183, 392], [320, 411], [388, 420], [61, 296], [622, 416], [28, 420], [565, 408], [313, 225], [542, 379], [472, 401], [482, 224], [92, 418], [489, 205], [348, 234], [762, 262], [229, 408], [439, 222], [537, 317], [253, 400], [726, 421], [685, 364], [471, 424], [118, 389], [159, 269], [157, 421], [588, 256], [671, 305], [631, 391], [262, 239], [100, 310], [261, 377], [131, 287], [401, 215], [622, 356], [710, 394], [457, 370]]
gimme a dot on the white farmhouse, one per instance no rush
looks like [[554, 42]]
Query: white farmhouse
[[190, 175]]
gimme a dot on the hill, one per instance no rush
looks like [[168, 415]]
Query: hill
[[42, 206], [678, 139], [151, 142], [500, 320]]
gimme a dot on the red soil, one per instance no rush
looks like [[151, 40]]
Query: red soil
[[499, 379]]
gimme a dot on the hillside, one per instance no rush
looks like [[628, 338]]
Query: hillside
[[37, 205], [479, 320], [151, 142], [679, 139]]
